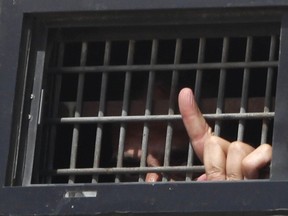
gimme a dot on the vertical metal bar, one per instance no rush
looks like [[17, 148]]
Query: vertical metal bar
[[40, 107], [268, 91], [37, 164], [190, 158], [55, 100], [279, 168], [171, 111], [126, 97], [221, 87], [245, 89], [33, 121], [38, 56], [199, 73], [102, 105], [197, 93], [21, 100], [78, 110], [148, 108]]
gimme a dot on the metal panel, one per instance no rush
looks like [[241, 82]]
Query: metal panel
[[9, 44], [253, 198]]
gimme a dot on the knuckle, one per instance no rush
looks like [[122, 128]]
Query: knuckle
[[266, 148], [214, 140], [215, 173], [233, 177], [236, 147]]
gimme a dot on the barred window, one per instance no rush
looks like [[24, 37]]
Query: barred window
[[89, 105], [108, 105]]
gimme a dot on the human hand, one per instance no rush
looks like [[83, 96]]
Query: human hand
[[222, 160]]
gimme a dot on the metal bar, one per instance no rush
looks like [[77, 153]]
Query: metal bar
[[171, 111], [221, 87], [102, 105], [40, 107], [130, 59], [151, 81], [76, 129], [125, 170], [199, 73], [245, 89], [190, 158], [33, 121], [279, 168], [197, 92], [161, 67], [38, 57], [41, 159], [21, 101], [55, 107], [128, 6], [268, 91], [114, 119]]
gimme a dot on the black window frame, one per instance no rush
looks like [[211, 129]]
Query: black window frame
[[212, 198]]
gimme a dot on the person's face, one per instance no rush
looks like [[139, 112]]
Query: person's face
[[156, 136], [155, 148]]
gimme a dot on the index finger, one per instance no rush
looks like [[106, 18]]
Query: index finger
[[195, 124]]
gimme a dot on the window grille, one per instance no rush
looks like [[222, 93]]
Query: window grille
[[127, 91], [91, 90]]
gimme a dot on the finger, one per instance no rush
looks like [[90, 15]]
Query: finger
[[153, 161], [237, 151], [202, 178], [256, 160], [210, 149], [215, 150], [196, 126], [153, 177]]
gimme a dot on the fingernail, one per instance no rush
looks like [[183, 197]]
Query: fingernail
[[187, 96], [151, 180], [152, 177]]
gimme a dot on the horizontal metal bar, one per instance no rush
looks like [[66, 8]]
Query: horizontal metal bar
[[114, 119], [195, 66], [126, 170]]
